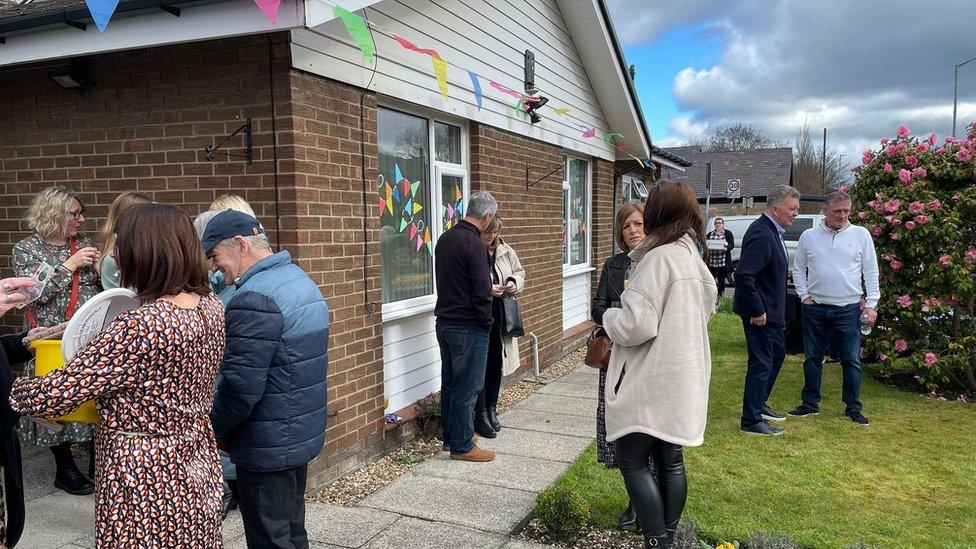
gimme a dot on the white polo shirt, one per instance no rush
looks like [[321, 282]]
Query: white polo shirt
[[837, 267]]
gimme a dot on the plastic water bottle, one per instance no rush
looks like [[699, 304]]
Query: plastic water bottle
[[865, 324]]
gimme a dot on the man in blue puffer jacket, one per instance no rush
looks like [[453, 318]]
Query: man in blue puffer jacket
[[270, 408]]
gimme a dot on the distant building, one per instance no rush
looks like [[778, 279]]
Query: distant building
[[758, 171]]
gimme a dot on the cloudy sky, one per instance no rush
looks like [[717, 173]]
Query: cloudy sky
[[858, 68]]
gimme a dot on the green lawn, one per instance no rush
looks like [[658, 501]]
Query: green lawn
[[906, 481]]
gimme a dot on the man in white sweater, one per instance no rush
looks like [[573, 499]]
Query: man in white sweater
[[834, 269]]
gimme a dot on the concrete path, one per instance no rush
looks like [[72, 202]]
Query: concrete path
[[439, 503]]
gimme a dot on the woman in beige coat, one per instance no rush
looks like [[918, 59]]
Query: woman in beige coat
[[508, 279], [657, 381]]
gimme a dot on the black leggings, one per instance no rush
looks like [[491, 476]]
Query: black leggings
[[658, 504], [720, 274], [493, 369]]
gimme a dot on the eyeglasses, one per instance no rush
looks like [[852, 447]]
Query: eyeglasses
[[77, 215]]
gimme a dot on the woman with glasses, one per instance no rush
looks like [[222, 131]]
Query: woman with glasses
[[55, 218]]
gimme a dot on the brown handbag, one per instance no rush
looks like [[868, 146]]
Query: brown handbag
[[598, 347]]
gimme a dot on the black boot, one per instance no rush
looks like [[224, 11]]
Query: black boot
[[656, 542], [670, 530], [68, 477], [481, 424], [629, 519], [493, 417], [229, 502]]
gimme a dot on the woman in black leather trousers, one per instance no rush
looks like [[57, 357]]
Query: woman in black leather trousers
[[663, 498], [629, 224]]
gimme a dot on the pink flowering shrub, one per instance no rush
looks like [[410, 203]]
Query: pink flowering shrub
[[918, 199]]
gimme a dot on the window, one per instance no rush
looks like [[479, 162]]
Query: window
[[794, 231], [576, 213], [419, 199]]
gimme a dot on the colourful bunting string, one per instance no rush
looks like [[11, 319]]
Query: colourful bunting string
[[389, 198], [561, 111], [505, 89], [103, 10], [440, 73], [608, 137], [590, 133], [476, 84], [413, 47], [355, 26]]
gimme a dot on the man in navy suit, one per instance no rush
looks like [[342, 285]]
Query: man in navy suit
[[760, 299]]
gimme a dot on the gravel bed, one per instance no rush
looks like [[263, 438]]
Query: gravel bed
[[589, 539], [355, 486]]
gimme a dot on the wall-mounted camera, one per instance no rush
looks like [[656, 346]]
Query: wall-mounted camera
[[532, 105]]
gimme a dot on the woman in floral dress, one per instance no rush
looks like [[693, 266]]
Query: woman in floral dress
[[56, 218], [151, 373]]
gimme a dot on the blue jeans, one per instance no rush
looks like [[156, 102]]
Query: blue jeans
[[767, 349], [842, 327], [464, 354]]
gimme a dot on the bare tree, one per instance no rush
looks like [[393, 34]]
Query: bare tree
[[735, 137], [809, 177]]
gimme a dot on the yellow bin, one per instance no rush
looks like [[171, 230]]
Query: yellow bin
[[48, 359]]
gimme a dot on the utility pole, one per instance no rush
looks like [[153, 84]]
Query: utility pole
[[708, 190], [955, 93], [823, 163]]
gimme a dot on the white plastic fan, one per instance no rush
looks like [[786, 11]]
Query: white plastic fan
[[93, 317]]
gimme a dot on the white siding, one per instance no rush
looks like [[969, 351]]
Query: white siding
[[411, 360], [576, 299], [486, 38]]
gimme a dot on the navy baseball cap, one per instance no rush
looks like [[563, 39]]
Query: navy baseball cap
[[229, 224]]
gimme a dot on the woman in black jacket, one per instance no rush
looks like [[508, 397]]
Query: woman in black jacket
[[629, 225]]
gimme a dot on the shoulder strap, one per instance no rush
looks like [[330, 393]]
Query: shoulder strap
[[75, 282]]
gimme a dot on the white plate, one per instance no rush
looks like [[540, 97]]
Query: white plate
[[92, 317]]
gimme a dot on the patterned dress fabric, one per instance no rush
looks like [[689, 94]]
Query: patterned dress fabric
[[151, 373], [715, 258], [50, 310]]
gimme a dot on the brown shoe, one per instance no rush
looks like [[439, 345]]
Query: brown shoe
[[447, 447], [475, 454]]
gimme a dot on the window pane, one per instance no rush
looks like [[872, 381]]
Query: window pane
[[405, 198], [447, 143], [452, 200], [577, 211]]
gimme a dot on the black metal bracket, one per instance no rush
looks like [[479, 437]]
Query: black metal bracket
[[245, 129], [3, 40], [530, 183], [71, 23], [173, 10]]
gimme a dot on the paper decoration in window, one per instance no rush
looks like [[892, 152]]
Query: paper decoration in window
[[412, 232], [427, 240]]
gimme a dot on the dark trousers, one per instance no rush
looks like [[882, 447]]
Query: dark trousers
[[464, 352], [767, 349], [720, 273], [842, 327], [658, 504], [273, 508], [493, 369]]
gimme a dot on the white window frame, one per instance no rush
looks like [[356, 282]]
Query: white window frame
[[585, 267], [425, 303]]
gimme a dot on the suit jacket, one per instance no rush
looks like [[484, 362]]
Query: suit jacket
[[760, 278], [611, 286]]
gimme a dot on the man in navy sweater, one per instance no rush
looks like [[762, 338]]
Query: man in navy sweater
[[760, 299]]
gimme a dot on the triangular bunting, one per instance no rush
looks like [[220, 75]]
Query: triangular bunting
[[405, 186], [403, 225], [396, 193], [417, 208], [355, 26], [476, 84], [561, 111], [103, 10], [414, 187], [420, 243], [450, 211], [389, 198], [412, 232], [426, 236], [382, 205], [590, 133], [440, 73], [407, 209]]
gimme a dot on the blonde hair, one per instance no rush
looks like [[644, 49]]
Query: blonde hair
[[495, 225], [121, 203], [49, 211], [623, 214], [232, 202]]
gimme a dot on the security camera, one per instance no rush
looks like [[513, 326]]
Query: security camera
[[532, 105]]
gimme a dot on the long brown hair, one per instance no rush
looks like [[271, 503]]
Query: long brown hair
[[671, 212], [159, 254], [121, 203]]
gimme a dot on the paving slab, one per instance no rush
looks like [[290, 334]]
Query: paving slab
[[453, 501], [559, 404], [234, 531], [522, 544], [344, 526], [579, 377], [550, 446], [508, 471], [570, 389], [413, 533], [55, 520], [547, 422]]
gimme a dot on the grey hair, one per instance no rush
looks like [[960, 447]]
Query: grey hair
[[257, 241], [201, 221], [481, 204], [780, 193], [837, 196]]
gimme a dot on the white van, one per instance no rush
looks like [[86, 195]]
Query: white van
[[738, 224]]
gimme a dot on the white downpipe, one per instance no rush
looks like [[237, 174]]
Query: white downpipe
[[535, 354]]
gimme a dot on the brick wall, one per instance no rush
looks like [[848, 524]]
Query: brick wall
[[603, 213]]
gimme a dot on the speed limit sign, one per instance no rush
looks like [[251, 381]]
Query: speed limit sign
[[734, 189]]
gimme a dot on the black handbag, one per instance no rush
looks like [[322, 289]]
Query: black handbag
[[512, 318]]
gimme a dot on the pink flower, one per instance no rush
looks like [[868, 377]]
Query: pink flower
[[867, 157], [844, 188], [904, 301], [921, 219], [896, 222], [933, 139], [955, 197], [884, 141], [901, 345], [922, 147], [892, 205], [915, 207], [925, 306], [963, 155], [931, 358], [901, 148], [911, 161], [862, 215], [883, 357], [891, 150], [894, 236], [940, 150], [903, 131], [934, 204], [920, 173], [944, 260], [910, 225], [970, 255], [905, 175], [935, 302], [888, 167], [895, 265], [876, 230]]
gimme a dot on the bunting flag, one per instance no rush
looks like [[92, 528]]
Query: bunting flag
[[414, 47], [389, 199], [505, 89], [590, 133], [561, 111], [440, 73], [382, 205], [420, 242], [476, 84], [408, 207], [413, 232], [414, 187], [638, 160], [397, 174], [396, 193], [403, 225], [610, 136], [355, 26], [405, 183], [103, 10], [270, 9]]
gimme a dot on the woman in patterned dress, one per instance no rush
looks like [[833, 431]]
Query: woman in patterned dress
[[56, 218], [613, 278], [151, 373]]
